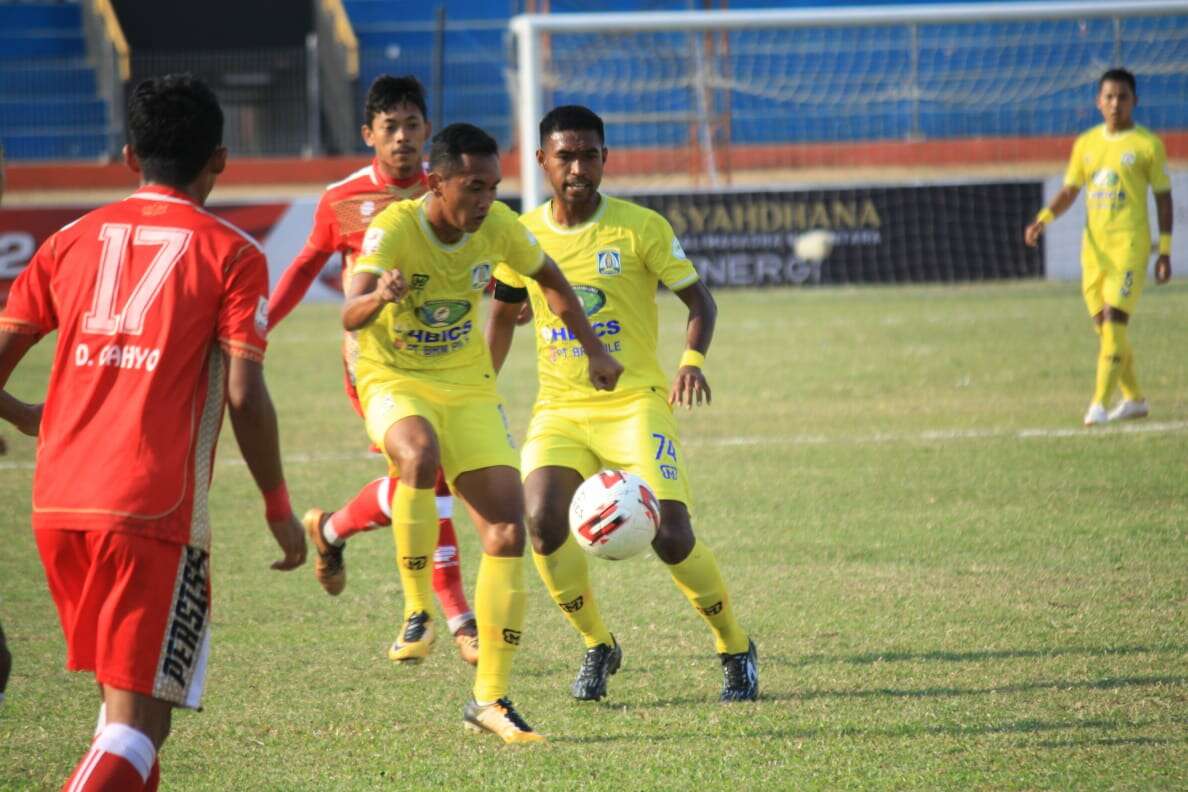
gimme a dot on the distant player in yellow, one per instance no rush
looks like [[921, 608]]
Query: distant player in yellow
[[427, 387], [615, 253], [1116, 162]]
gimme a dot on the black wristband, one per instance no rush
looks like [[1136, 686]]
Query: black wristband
[[509, 294]]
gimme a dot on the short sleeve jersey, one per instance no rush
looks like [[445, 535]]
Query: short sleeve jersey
[[434, 330], [347, 207], [1116, 170], [614, 262], [147, 295]]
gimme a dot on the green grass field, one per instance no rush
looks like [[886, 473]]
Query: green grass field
[[951, 583]]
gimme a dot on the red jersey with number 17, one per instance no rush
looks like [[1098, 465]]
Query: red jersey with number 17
[[147, 295]]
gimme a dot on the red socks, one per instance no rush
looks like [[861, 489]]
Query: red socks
[[371, 508], [121, 759]]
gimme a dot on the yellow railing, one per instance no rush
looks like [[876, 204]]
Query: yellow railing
[[115, 34], [344, 34]]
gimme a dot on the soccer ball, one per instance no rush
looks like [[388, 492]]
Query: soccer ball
[[614, 515], [814, 246]]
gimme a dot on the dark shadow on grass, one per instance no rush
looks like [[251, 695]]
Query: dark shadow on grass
[[975, 656], [1103, 743], [1027, 726], [1106, 683]]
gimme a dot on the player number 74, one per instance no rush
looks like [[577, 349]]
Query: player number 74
[[664, 446]]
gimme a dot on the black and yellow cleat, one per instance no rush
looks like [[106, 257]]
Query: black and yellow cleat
[[501, 719], [597, 666], [415, 641], [740, 674], [329, 566]]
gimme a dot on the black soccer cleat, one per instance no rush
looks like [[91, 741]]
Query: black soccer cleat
[[599, 663], [740, 675]]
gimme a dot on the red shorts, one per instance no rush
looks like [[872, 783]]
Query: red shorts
[[134, 610]]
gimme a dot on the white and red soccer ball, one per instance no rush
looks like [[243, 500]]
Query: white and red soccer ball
[[614, 515]]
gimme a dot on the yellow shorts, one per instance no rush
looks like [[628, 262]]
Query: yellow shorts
[[1113, 275], [636, 433], [471, 426]]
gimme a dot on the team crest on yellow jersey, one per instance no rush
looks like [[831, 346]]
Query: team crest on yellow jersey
[[1105, 178], [592, 298], [480, 276], [610, 262], [441, 313], [1128, 159]]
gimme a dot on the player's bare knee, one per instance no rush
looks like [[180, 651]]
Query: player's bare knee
[[504, 539], [1116, 315], [547, 523], [417, 462], [674, 538]]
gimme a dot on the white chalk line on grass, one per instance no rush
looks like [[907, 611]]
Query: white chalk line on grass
[[945, 435], [882, 438]]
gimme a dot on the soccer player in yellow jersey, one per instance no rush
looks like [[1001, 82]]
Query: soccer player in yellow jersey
[[1116, 162], [615, 253], [427, 387]]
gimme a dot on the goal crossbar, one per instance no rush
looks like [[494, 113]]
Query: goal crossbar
[[529, 28]]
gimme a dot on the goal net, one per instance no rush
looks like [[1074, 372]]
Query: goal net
[[852, 101]]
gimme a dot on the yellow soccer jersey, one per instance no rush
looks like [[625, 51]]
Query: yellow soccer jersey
[[435, 328], [614, 262], [1115, 171]]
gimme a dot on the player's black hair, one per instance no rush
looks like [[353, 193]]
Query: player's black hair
[[571, 118], [387, 91], [1118, 75], [174, 126], [455, 140]]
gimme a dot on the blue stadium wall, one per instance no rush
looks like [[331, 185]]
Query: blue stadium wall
[[479, 57]]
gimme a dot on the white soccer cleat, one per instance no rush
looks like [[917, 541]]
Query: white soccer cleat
[[1096, 415], [1129, 410]]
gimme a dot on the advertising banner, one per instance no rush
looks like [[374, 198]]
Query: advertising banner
[[921, 234]]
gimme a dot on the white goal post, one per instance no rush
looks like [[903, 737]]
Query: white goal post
[[539, 37]]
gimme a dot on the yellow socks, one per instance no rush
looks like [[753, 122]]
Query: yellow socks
[[699, 580], [414, 527], [499, 601], [1115, 346], [567, 578], [1127, 380]]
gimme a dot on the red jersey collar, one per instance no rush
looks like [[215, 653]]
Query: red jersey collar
[[377, 173], [161, 189]]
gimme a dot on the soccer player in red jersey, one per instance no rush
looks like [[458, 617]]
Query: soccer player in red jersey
[[161, 313], [396, 128]]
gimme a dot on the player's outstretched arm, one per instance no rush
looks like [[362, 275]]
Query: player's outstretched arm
[[690, 385], [25, 417], [368, 294], [1165, 212], [500, 329], [604, 369], [1064, 199], [294, 283], [254, 420]]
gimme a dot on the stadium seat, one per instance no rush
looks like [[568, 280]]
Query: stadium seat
[[49, 103]]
